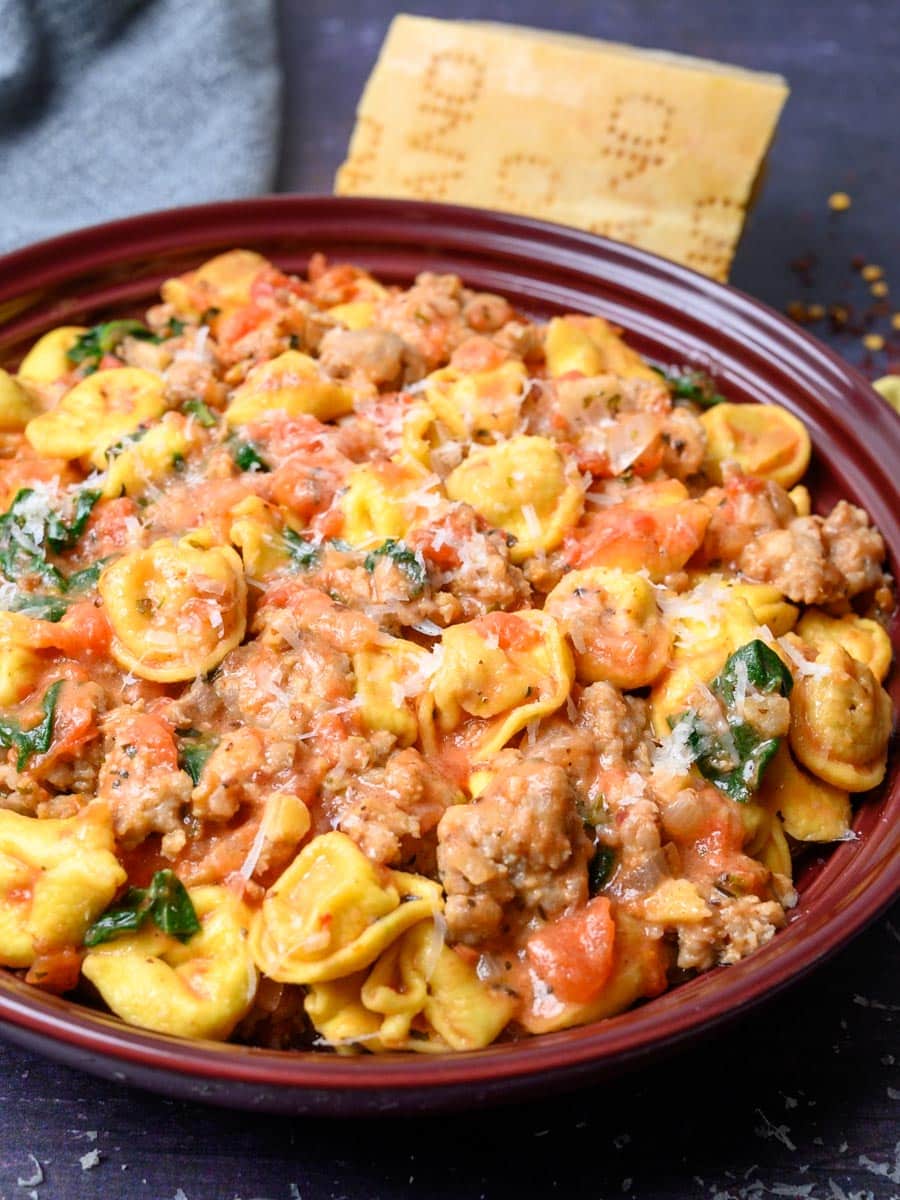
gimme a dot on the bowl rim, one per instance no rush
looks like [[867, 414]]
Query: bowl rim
[[642, 1030]]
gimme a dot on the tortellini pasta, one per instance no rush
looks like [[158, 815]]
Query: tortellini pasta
[[333, 911], [291, 383], [655, 528], [525, 486], [614, 624], [176, 608], [257, 531], [16, 407], [388, 677], [507, 669], [703, 644], [147, 461], [56, 877], [20, 665], [863, 639], [480, 405], [841, 722], [591, 346], [764, 439], [96, 413], [419, 995], [222, 283], [384, 500], [811, 810], [47, 360], [200, 988]]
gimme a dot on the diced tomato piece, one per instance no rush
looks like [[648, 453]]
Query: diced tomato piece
[[511, 631], [574, 954]]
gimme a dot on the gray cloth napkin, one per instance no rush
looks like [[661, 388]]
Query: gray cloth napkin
[[111, 107]]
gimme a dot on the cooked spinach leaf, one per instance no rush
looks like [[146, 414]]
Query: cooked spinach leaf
[[407, 560], [194, 750], [692, 384], [102, 339], [304, 553], [29, 526], [200, 411], [734, 759], [42, 608], [35, 740], [165, 901], [759, 666], [247, 457], [600, 868]]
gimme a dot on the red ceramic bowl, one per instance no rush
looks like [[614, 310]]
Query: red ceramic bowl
[[670, 314]]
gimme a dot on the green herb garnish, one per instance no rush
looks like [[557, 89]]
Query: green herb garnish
[[26, 529], [735, 761], [102, 339], [165, 901], [63, 537], [37, 739], [692, 384], [600, 868], [175, 328], [42, 608], [407, 560], [247, 457], [200, 411], [194, 751], [304, 553]]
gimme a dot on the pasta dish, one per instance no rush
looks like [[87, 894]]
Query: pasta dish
[[382, 670]]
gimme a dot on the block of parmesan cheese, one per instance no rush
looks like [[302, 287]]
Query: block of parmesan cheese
[[651, 148]]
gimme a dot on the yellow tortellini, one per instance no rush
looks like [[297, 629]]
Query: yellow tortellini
[[258, 532], [841, 721], [768, 605], [56, 877], [764, 439], [291, 383], [221, 283], [176, 608], [524, 486], [360, 312], [591, 346], [478, 405], [388, 677], [147, 461], [333, 911], [506, 668], [614, 624], [16, 408], [96, 413], [47, 360], [811, 810], [200, 988], [420, 995], [20, 665], [702, 645], [862, 638], [384, 500]]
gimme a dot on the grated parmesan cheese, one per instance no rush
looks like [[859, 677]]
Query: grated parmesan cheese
[[532, 524]]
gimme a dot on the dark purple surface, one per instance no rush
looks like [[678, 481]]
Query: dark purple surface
[[793, 1101]]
